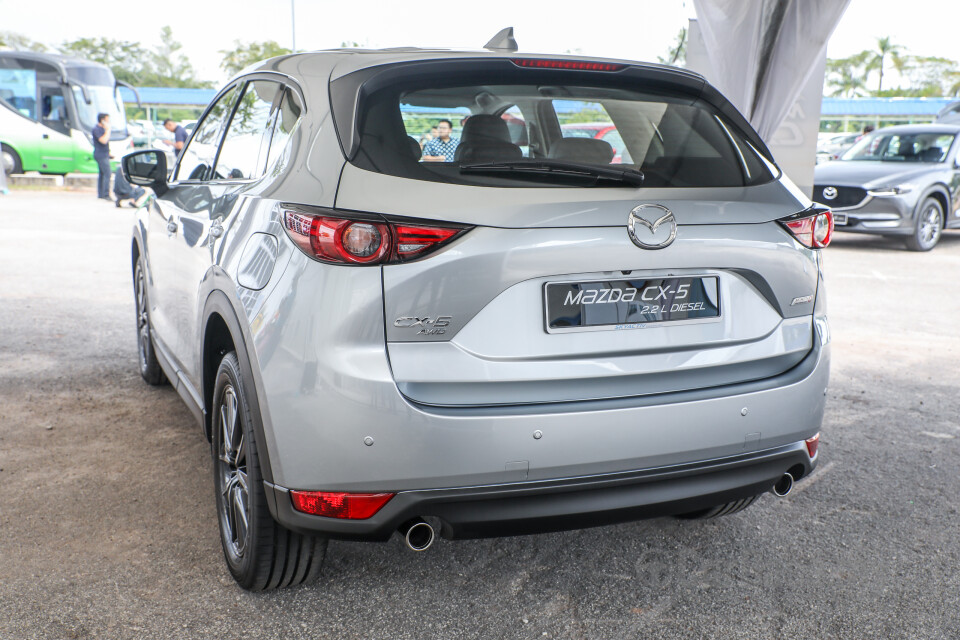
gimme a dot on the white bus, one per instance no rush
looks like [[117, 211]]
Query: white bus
[[48, 109]]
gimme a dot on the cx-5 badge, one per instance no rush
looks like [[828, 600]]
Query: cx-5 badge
[[645, 222]]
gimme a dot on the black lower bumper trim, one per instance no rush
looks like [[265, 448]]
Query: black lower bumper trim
[[573, 503]]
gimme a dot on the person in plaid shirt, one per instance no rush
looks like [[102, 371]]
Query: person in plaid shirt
[[441, 148]]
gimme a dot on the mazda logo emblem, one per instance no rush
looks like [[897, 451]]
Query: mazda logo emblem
[[652, 226], [829, 193]]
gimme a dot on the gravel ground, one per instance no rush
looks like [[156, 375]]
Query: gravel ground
[[107, 518]]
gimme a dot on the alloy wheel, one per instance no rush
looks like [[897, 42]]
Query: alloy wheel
[[930, 226], [234, 495], [143, 320]]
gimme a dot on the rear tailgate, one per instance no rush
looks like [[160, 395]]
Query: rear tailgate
[[467, 326]]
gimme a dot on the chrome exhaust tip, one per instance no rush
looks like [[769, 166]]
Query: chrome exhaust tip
[[783, 486], [417, 534]]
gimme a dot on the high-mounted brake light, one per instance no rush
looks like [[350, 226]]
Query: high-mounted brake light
[[364, 239], [348, 506], [574, 65], [813, 228]]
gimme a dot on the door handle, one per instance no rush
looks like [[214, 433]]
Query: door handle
[[46, 137]]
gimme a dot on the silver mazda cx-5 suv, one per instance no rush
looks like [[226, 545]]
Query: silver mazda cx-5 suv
[[494, 331]]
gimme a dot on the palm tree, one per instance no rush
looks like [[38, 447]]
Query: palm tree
[[847, 76], [878, 57], [848, 83]]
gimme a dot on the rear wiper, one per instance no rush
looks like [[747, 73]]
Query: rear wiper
[[632, 177]]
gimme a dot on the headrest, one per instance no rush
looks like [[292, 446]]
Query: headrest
[[589, 150], [415, 148], [483, 128]]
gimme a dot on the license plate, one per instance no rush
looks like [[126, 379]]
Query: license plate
[[629, 303], [839, 219]]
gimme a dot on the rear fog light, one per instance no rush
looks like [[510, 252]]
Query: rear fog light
[[812, 445], [347, 506]]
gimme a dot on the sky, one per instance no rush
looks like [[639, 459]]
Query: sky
[[636, 30]]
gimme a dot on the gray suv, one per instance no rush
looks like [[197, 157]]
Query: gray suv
[[899, 181], [492, 332]]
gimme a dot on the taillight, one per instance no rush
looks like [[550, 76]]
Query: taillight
[[366, 239], [348, 506], [812, 228], [812, 445]]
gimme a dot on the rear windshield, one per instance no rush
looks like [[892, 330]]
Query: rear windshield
[[443, 131]]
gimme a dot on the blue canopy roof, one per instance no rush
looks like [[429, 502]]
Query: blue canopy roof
[[169, 96], [883, 106]]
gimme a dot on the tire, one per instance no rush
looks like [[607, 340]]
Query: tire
[[150, 369], [929, 226], [10, 160], [719, 510], [261, 555]]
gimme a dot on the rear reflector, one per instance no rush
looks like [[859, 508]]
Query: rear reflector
[[574, 65], [813, 228], [812, 445], [347, 506]]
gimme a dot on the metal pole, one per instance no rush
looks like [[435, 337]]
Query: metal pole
[[293, 25]]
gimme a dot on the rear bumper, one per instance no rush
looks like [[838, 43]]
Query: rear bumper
[[571, 503]]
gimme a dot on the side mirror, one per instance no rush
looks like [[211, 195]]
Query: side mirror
[[146, 169]]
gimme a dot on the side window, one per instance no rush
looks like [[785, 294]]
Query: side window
[[287, 117], [197, 157], [240, 157]]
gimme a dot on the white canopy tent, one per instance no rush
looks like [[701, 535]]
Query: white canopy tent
[[764, 55]]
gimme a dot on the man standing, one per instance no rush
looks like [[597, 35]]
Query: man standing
[[101, 153], [179, 135], [441, 148]]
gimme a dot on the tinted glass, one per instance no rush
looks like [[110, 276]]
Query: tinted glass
[[197, 157], [240, 157], [18, 88], [901, 147], [673, 142], [288, 115]]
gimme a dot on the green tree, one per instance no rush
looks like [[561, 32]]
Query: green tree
[[932, 75], [847, 76], [172, 68], [243, 55], [677, 55], [131, 62], [10, 41], [128, 60], [877, 58]]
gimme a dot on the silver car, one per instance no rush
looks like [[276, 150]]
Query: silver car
[[504, 340], [898, 181]]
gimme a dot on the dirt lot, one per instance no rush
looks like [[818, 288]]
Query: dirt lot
[[107, 518]]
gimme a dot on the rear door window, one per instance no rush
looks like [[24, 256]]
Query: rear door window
[[240, 156], [287, 118]]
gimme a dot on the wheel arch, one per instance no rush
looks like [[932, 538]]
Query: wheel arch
[[222, 333], [941, 193]]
